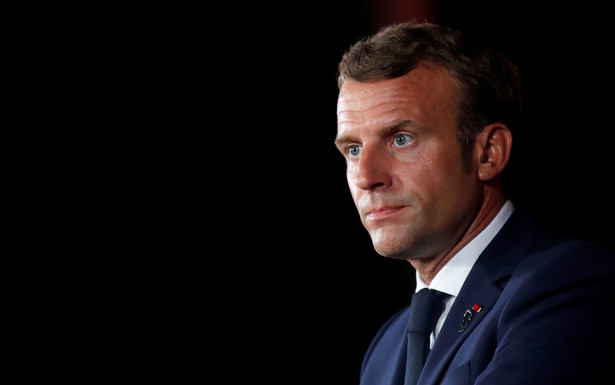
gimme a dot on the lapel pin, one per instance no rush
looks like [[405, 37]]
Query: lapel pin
[[467, 316]]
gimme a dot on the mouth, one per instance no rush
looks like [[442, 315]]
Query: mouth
[[383, 213]]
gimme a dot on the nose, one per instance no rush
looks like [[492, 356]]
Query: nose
[[372, 170]]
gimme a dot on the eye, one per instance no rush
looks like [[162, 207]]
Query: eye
[[403, 140], [354, 151]]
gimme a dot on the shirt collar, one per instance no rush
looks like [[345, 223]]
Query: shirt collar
[[452, 275]]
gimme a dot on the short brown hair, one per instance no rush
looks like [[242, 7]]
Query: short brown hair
[[490, 85]]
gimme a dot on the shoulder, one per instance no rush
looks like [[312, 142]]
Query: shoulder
[[543, 272], [571, 277], [527, 248], [548, 260], [555, 256], [552, 309], [394, 327], [390, 334]]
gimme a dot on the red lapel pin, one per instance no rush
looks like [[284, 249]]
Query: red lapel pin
[[467, 316]]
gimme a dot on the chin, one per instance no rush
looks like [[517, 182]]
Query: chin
[[390, 249]]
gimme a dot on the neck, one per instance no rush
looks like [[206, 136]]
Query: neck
[[489, 208]]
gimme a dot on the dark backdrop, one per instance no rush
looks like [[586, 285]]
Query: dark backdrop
[[213, 234], [302, 292]]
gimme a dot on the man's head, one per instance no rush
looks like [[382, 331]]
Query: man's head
[[424, 120], [490, 87]]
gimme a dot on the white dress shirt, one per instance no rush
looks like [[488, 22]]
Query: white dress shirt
[[452, 275]]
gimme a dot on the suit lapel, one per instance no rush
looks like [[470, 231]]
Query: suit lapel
[[482, 287], [478, 291]]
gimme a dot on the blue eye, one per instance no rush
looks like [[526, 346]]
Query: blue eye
[[403, 140], [354, 150]]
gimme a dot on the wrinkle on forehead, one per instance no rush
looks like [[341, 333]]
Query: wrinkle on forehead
[[425, 87]]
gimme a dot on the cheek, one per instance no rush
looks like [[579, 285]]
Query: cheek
[[450, 181], [421, 170], [432, 175]]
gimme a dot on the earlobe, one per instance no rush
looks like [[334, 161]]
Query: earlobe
[[493, 144]]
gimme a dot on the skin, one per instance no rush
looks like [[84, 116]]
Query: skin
[[404, 167]]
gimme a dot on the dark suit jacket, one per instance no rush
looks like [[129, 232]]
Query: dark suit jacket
[[547, 317]]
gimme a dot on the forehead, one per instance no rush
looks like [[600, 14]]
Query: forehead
[[423, 95]]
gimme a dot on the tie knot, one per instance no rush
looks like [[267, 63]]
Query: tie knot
[[426, 307]]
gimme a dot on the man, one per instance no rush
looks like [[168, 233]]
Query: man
[[426, 117]]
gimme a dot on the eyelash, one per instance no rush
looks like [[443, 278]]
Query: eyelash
[[352, 147], [399, 135]]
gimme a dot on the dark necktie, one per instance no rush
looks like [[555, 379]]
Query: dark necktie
[[425, 309]]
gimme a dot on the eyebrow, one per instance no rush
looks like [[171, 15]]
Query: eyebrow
[[383, 132]]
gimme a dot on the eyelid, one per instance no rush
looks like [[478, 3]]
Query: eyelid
[[395, 135], [403, 133], [347, 146]]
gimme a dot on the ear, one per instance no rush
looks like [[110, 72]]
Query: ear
[[492, 146]]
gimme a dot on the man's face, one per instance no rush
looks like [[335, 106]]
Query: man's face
[[404, 165]]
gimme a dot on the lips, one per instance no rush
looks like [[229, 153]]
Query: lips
[[384, 212]]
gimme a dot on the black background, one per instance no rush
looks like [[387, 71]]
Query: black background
[[193, 223], [273, 277]]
